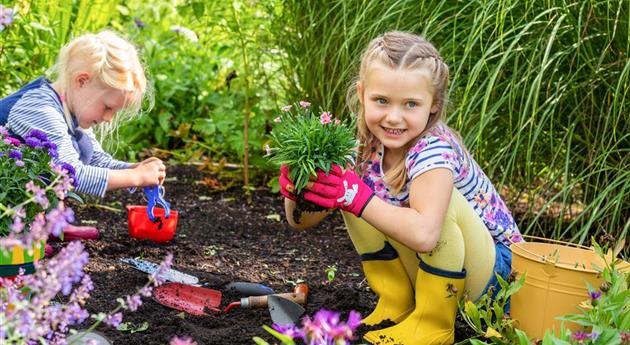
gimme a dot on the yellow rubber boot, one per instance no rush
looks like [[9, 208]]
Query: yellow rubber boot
[[389, 280], [433, 320]]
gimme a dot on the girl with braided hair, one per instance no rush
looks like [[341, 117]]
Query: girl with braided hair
[[425, 219]]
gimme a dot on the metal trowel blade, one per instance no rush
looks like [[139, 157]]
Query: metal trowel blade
[[283, 311]]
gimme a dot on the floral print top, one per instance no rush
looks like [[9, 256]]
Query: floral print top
[[440, 148]]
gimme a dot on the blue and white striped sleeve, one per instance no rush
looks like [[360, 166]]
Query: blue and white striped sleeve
[[428, 154], [37, 110], [102, 159]]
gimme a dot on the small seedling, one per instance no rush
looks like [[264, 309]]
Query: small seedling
[[133, 328], [331, 271]]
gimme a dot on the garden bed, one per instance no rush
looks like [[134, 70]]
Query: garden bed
[[221, 238]]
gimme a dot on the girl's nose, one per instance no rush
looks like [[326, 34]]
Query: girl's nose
[[394, 115]]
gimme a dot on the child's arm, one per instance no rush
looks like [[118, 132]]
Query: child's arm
[[149, 172], [306, 220], [418, 226]]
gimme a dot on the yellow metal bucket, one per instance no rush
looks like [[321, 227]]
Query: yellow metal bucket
[[557, 273]]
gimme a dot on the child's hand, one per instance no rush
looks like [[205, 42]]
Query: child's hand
[[286, 186], [150, 172], [340, 189]]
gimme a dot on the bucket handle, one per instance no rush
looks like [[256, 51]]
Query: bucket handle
[[549, 270], [555, 241]]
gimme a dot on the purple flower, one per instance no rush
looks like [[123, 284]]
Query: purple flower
[[133, 302], [182, 341], [595, 295], [579, 336], [139, 23], [6, 17], [33, 142], [36, 133], [15, 154], [325, 327], [19, 163], [113, 320], [3, 131], [305, 104], [289, 330]]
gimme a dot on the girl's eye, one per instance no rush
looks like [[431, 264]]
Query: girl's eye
[[411, 104], [381, 101]]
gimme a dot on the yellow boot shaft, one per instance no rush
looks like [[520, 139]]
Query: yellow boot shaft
[[389, 280], [433, 320]]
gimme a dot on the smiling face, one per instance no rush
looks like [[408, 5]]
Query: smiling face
[[92, 102], [397, 104]]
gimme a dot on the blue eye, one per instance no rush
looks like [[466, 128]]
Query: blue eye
[[381, 101], [411, 104]]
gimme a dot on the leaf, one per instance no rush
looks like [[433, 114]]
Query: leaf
[[274, 216], [123, 10], [282, 337], [492, 333], [522, 337], [259, 341], [132, 328]]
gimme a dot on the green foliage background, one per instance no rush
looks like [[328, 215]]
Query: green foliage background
[[539, 89]]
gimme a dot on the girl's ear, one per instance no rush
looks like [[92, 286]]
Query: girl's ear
[[360, 90], [81, 79], [434, 109]]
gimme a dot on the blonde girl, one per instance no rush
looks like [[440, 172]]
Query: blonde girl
[[426, 220], [98, 77]]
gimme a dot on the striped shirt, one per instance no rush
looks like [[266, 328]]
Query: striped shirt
[[440, 148], [40, 108]]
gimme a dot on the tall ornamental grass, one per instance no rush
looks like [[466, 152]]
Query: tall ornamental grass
[[539, 91]]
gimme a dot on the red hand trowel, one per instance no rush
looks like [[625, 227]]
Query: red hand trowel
[[284, 307], [191, 299]]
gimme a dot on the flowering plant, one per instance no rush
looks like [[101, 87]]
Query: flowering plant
[[55, 299], [305, 142], [325, 328], [605, 315], [28, 174]]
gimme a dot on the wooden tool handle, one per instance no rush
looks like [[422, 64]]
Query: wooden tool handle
[[298, 296]]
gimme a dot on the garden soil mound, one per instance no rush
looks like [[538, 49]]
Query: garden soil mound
[[220, 238]]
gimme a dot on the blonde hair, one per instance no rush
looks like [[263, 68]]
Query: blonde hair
[[110, 59], [399, 50]]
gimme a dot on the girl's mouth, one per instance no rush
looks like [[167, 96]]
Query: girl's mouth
[[393, 131]]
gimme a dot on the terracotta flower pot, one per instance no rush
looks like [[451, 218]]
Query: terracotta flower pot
[[12, 259], [142, 228]]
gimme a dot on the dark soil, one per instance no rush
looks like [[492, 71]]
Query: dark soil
[[221, 238]]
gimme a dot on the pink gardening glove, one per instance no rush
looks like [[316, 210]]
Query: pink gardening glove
[[285, 182], [340, 189]]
